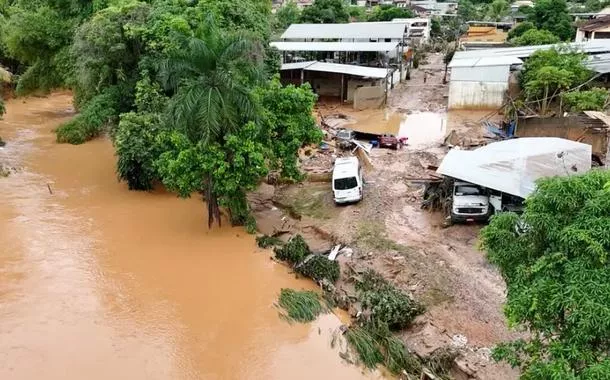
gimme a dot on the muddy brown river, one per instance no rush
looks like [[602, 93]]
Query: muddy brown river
[[97, 282]]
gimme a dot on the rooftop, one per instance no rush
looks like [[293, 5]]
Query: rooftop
[[596, 23], [485, 62], [361, 71], [353, 30], [591, 47], [335, 46]]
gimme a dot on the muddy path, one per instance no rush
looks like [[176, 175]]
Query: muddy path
[[98, 282]]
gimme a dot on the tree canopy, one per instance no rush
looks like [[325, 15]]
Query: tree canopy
[[553, 15], [535, 37], [325, 12], [558, 278], [389, 12]]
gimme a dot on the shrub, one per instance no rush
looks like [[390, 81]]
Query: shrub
[[300, 306], [267, 241], [386, 303], [97, 113], [319, 268], [295, 251]]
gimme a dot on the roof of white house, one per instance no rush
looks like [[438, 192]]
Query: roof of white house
[[361, 71], [485, 62], [513, 166], [593, 46], [335, 46], [353, 30]]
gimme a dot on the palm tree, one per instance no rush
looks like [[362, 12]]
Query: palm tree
[[211, 76]]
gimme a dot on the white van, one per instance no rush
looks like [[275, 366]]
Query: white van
[[470, 203], [347, 180]]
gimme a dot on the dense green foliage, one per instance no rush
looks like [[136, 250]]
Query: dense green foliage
[[289, 13], [548, 73], [389, 12], [558, 278], [385, 303], [520, 29], [319, 268], [183, 87], [300, 306], [553, 15], [325, 12], [595, 99], [288, 123], [293, 252], [497, 10], [535, 37]]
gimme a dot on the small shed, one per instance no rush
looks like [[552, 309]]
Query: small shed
[[480, 82], [365, 86]]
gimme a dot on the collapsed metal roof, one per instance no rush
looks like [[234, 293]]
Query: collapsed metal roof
[[589, 47], [382, 47], [361, 71], [513, 166], [354, 30]]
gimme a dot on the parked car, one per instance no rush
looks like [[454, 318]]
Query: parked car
[[388, 141], [344, 138], [347, 180]]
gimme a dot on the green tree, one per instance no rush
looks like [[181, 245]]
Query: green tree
[[210, 76], [595, 99], [571, 63], [467, 11], [389, 12], [325, 12], [435, 27], [553, 15], [287, 14], [288, 124], [497, 10], [547, 85], [520, 28], [535, 37], [558, 278], [356, 13]]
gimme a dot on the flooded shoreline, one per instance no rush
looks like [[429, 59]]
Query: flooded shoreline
[[101, 282]]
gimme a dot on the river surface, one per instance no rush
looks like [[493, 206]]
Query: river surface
[[97, 282]]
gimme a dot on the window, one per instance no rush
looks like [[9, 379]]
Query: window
[[346, 183], [469, 190]]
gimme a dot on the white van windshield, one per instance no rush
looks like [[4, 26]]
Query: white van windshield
[[468, 190], [346, 183]]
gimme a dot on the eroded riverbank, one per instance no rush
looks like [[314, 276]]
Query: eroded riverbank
[[99, 282]]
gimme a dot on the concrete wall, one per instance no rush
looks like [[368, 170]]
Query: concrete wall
[[476, 95], [369, 97], [570, 128], [354, 84]]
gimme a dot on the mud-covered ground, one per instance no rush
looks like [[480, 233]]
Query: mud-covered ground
[[388, 231]]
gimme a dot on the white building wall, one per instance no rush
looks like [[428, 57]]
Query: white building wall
[[476, 95], [481, 73]]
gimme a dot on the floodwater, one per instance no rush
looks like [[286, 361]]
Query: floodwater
[[423, 128], [97, 282]]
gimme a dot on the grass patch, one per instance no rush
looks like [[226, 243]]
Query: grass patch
[[363, 342], [314, 201], [300, 306], [319, 268], [373, 235], [294, 251], [267, 241], [386, 303]]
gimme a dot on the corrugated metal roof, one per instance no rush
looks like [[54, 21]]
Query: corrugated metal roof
[[354, 30], [591, 47], [297, 65], [485, 62], [599, 63], [599, 116], [361, 71], [335, 46]]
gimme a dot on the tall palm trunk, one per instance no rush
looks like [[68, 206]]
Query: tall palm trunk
[[212, 201]]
